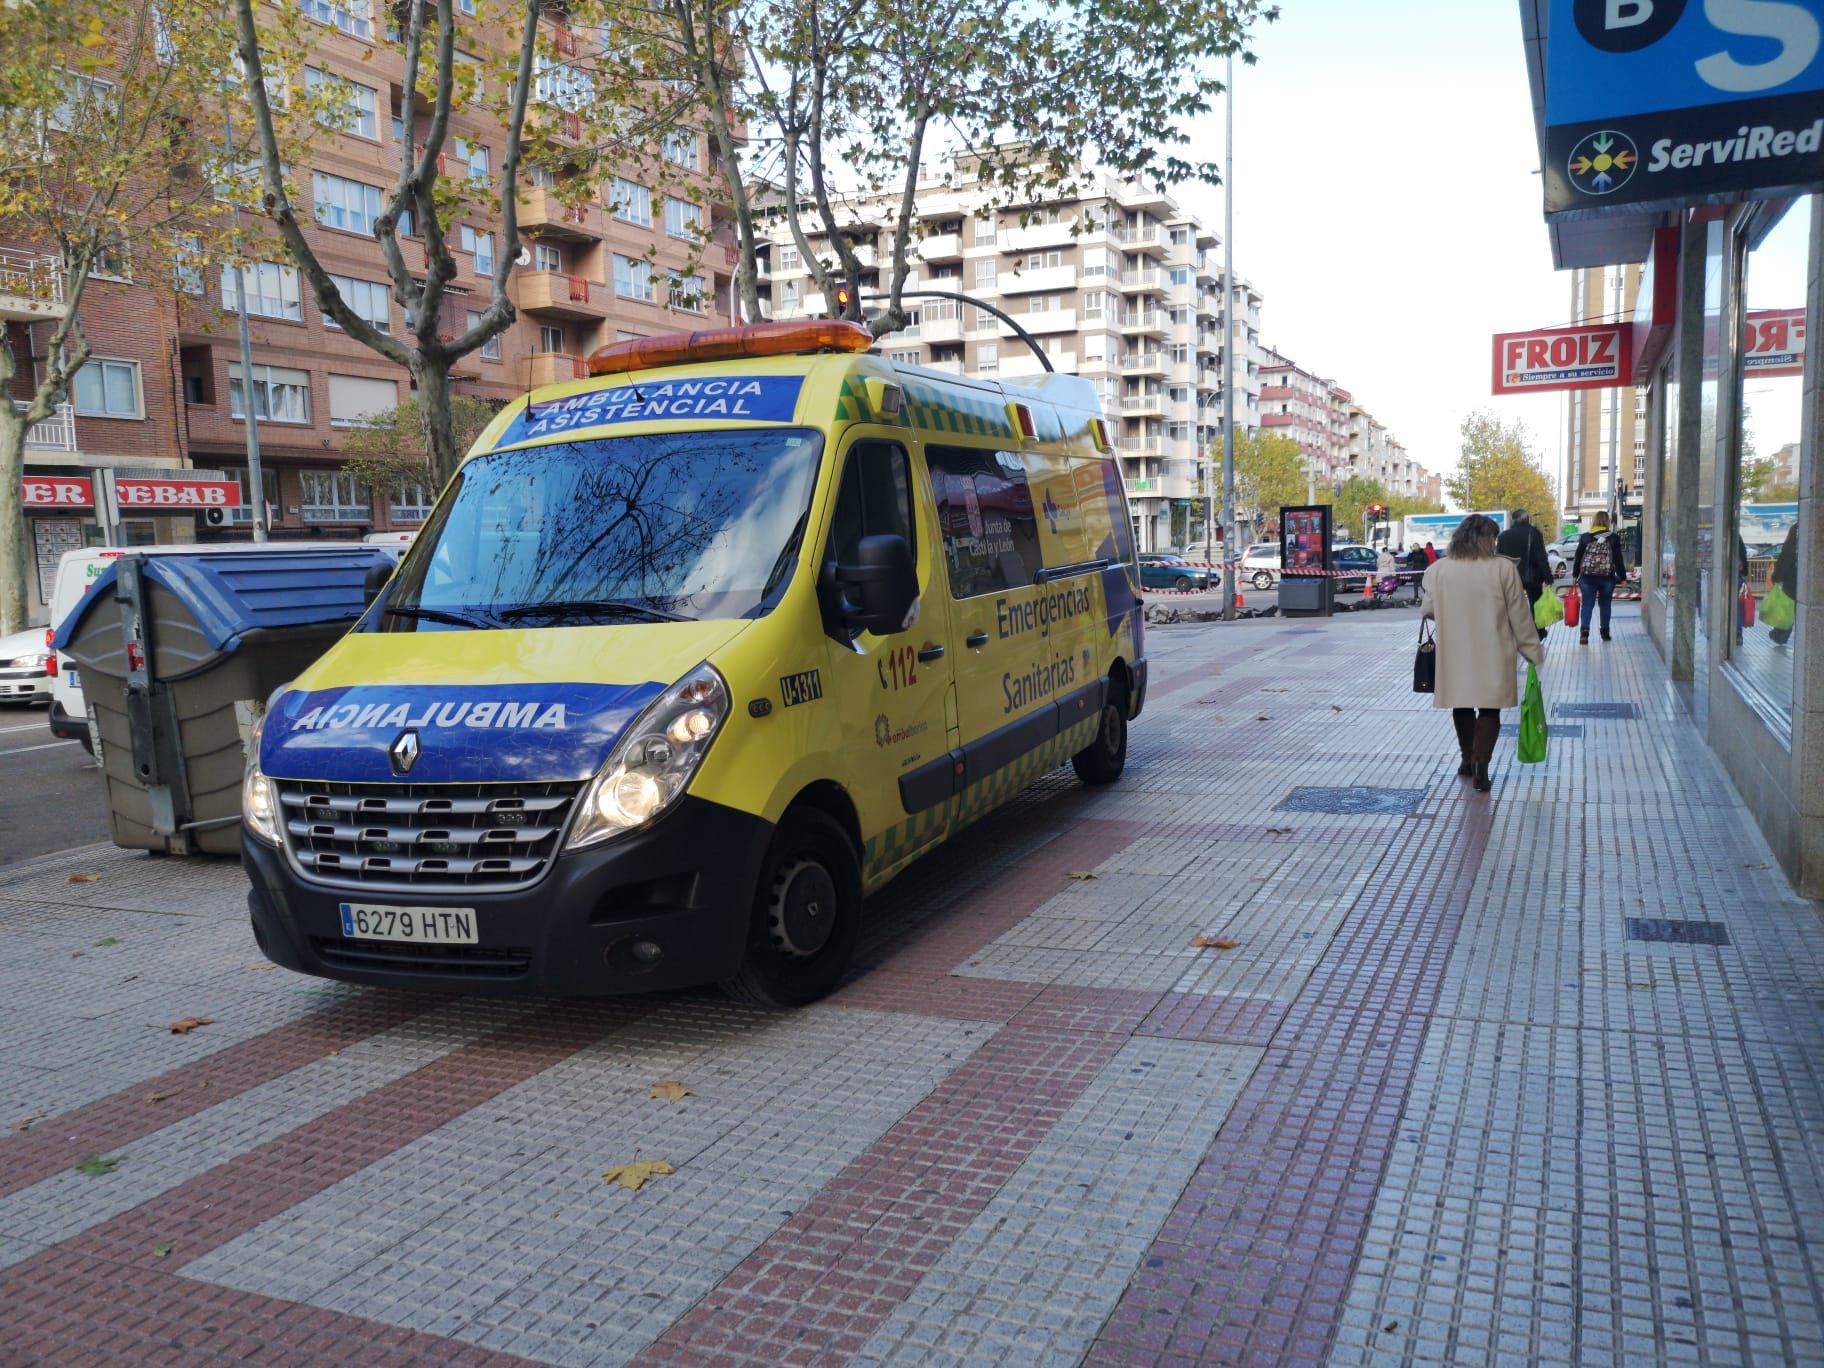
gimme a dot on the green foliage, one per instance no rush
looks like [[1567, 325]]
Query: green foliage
[[1270, 472], [96, 1166], [393, 449], [1497, 469]]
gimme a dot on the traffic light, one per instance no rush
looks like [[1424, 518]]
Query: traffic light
[[1377, 509], [844, 295]]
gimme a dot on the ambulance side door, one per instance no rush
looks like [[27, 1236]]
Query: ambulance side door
[[893, 693]]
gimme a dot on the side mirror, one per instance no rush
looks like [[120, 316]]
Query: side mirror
[[880, 591], [374, 581]]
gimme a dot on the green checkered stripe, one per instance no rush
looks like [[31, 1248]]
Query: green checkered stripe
[[933, 410], [852, 401], [885, 854]]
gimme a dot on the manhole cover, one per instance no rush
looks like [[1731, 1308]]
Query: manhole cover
[[1677, 932], [1353, 801], [1566, 729], [1595, 710]]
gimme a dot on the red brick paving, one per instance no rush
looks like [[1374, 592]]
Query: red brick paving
[[1217, 1019], [57, 1142]]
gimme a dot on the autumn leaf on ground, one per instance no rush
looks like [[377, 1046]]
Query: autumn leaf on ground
[[633, 1176], [172, 1092], [1275, 689], [1278, 831], [1336, 707], [1212, 943], [259, 965], [105, 940], [189, 1024], [95, 1166], [1080, 875], [1262, 717], [668, 1092], [85, 878], [25, 1123], [163, 1251]]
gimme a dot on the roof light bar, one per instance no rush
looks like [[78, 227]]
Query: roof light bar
[[725, 344]]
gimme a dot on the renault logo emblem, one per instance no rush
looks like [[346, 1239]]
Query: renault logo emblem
[[404, 752]]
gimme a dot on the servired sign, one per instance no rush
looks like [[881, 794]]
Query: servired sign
[[58, 491], [175, 494], [1775, 342], [1588, 356]]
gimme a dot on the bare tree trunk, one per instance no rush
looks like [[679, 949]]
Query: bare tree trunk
[[433, 376]]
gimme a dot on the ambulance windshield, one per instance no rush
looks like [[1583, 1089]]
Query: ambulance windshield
[[657, 527]]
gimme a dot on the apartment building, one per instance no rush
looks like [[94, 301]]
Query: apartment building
[[165, 399], [1118, 284], [1605, 429], [1376, 454], [1338, 436]]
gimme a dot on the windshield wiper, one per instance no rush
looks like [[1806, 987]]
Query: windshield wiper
[[437, 615], [583, 607], [787, 555]]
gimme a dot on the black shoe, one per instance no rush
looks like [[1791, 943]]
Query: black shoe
[[1605, 633], [1583, 638], [1482, 782], [1467, 768]]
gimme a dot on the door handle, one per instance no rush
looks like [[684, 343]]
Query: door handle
[[976, 639], [930, 652]]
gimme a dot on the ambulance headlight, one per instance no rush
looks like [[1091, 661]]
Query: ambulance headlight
[[653, 762], [259, 812]]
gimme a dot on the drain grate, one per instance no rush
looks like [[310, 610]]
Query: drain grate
[[1303, 631], [1612, 710], [1569, 730], [1353, 801], [1670, 932]]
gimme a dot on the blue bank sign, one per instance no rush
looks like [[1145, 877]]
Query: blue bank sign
[[1657, 103]]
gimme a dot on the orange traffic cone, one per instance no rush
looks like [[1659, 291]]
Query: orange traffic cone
[[1368, 590]]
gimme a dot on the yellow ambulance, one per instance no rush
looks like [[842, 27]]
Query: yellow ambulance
[[691, 656]]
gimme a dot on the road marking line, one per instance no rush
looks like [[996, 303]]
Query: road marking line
[[26, 726], [49, 745]]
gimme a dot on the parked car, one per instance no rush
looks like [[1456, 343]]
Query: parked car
[[1559, 555], [1160, 571], [25, 667], [1353, 559], [1260, 564]]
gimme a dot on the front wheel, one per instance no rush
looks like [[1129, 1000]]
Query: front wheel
[[806, 915], [1183, 584], [1103, 759]]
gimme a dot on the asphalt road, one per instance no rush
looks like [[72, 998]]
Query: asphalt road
[[51, 795]]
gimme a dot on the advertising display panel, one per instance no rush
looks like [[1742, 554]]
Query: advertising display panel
[[1590, 356], [1304, 546]]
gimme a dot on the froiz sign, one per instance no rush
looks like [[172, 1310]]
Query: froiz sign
[[724, 398], [1594, 356], [176, 494], [1776, 343]]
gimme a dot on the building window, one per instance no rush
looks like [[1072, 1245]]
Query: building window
[[789, 260], [682, 218], [343, 104], [476, 156], [355, 400], [1094, 303], [350, 19], [269, 480], [346, 204], [551, 339], [547, 256], [367, 299], [790, 293], [680, 148], [272, 290], [187, 264], [1039, 261], [108, 389], [489, 350], [481, 245], [985, 274], [687, 292], [632, 279], [561, 85], [85, 101], [631, 201], [987, 357], [1044, 303], [409, 503], [906, 358], [279, 395], [331, 496]]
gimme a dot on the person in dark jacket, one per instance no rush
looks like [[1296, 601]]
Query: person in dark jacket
[[1523, 544], [1786, 575], [1598, 565]]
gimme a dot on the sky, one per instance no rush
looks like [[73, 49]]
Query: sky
[[1388, 208]]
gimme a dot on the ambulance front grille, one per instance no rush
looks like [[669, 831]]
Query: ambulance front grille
[[424, 836]]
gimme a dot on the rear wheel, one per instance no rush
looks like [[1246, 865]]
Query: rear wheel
[[1103, 759], [806, 915], [1182, 583], [1262, 580]]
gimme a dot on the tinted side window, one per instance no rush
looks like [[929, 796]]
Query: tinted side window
[[984, 509], [875, 499]]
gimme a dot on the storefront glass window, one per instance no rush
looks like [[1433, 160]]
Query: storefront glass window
[[1715, 356], [1667, 460], [1768, 449]]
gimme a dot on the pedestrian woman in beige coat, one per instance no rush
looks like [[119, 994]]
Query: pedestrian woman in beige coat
[[1483, 623]]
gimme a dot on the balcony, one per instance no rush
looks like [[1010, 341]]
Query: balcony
[[553, 295], [1050, 321], [554, 368], [1037, 235], [56, 433], [1161, 486], [1151, 240], [31, 287], [559, 124], [1047, 278], [1144, 363], [939, 330], [1141, 448], [941, 247], [1145, 281], [1143, 405], [1149, 321], [543, 214]]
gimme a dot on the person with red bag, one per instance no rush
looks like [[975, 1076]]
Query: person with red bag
[[1598, 564]]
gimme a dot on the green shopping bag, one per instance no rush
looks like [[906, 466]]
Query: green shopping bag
[[1532, 721], [1549, 611], [1778, 609]]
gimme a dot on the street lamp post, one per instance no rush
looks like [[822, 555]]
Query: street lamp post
[[1228, 343]]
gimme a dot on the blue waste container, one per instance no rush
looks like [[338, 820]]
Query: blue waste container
[[179, 652]]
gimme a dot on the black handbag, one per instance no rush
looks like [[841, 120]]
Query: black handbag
[[1425, 663]]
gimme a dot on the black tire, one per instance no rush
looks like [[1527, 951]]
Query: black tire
[[806, 915], [1103, 759], [1183, 583], [1262, 580]]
